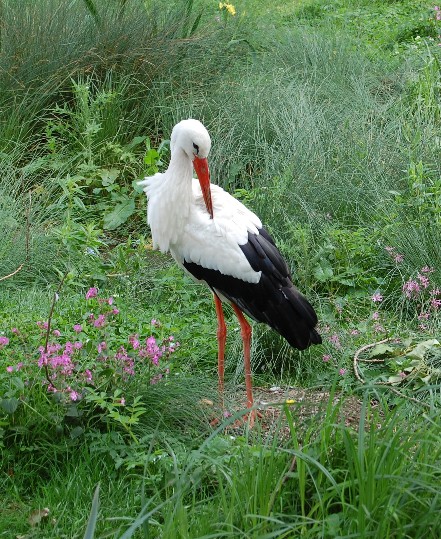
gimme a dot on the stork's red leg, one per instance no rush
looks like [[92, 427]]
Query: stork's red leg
[[246, 332], [221, 339]]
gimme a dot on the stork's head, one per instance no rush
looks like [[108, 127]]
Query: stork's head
[[191, 137]]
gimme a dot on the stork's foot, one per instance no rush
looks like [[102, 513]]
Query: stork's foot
[[249, 419]]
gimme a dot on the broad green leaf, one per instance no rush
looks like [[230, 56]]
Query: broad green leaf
[[108, 176], [323, 272], [9, 405], [119, 215], [381, 350], [422, 348]]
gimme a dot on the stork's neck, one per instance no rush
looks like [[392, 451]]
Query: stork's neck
[[179, 183], [170, 201]]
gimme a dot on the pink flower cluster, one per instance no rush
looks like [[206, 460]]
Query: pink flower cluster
[[153, 351], [397, 257], [413, 287], [88, 350]]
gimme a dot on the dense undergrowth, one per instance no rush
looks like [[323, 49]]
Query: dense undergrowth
[[325, 118]]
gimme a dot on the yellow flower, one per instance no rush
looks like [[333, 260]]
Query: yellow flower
[[229, 7], [290, 401]]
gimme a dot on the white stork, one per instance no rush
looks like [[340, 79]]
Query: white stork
[[217, 240]]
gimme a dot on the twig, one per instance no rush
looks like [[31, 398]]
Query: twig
[[359, 351], [27, 241], [13, 273], [48, 330]]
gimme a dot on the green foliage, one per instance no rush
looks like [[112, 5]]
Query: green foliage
[[325, 120]]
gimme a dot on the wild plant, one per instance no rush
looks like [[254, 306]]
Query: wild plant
[[84, 367]]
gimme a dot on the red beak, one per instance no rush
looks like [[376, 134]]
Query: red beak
[[203, 173]]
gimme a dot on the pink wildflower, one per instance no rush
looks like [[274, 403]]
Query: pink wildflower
[[74, 396], [110, 301], [411, 288], [342, 372], [15, 331], [10, 368], [78, 328], [102, 346], [423, 316], [423, 280], [335, 340], [42, 325], [115, 311], [134, 341], [398, 258], [88, 375], [378, 328], [376, 315], [427, 269], [402, 374], [56, 332], [355, 332], [4, 341], [436, 303], [92, 293], [100, 321], [327, 357], [78, 345], [377, 297]]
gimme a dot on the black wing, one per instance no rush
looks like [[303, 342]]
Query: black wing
[[274, 300]]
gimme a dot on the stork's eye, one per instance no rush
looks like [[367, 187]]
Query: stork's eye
[[196, 147]]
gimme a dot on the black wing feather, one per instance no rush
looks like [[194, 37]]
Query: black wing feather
[[274, 300]]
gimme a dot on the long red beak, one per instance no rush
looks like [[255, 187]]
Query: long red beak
[[203, 173]]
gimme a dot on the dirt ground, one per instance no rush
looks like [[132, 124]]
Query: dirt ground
[[306, 406]]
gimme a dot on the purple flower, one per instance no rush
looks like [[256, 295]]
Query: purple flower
[[423, 280], [92, 293], [355, 332], [74, 396], [436, 303], [411, 288], [342, 372], [327, 357], [4, 341], [42, 325], [56, 332], [100, 321], [102, 346], [78, 345], [377, 297], [78, 328], [376, 315], [335, 340]]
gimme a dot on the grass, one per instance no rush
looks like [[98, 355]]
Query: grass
[[325, 120]]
